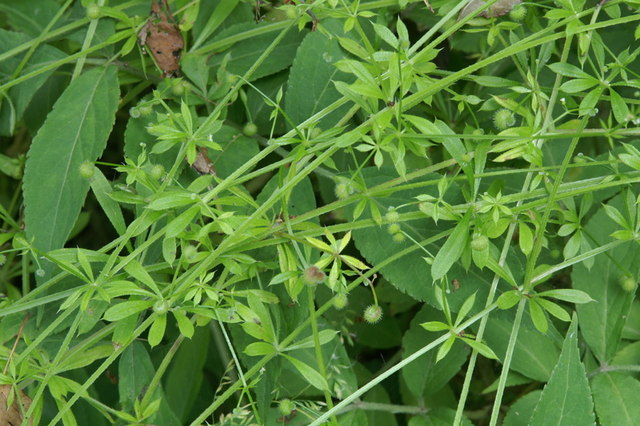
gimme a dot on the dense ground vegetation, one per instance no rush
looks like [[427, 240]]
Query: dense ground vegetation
[[346, 212]]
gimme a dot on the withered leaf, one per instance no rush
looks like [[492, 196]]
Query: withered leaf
[[202, 163], [163, 38], [12, 415], [499, 8]]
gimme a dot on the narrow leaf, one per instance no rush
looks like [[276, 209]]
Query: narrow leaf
[[452, 249], [310, 375]]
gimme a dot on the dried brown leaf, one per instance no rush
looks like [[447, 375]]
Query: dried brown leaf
[[499, 8], [12, 415], [163, 38]]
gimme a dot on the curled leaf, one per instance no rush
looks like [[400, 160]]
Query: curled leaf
[[499, 8]]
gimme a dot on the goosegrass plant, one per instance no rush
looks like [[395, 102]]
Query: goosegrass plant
[[337, 212]]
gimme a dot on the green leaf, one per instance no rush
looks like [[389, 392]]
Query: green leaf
[[566, 399], [385, 34], [312, 376], [259, 349], [236, 151], [617, 399], [186, 373], [619, 107], [554, 309], [525, 238], [568, 295], [521, 411], [569, 70], [137, 271], [135, 372], [15, 102], [101, 189], [445, 348], [54, 191], [156, 331], [509, 299], [184, 324], [245, 53], [578, 85], [81, 359], [179, 224], [538, 316], [310, 86], [601, 321], [465, 308], [171, 199], [482, 348], [435, 326], [325, 336], [125, 309], [535, 353], [452, 248], [425, 374]]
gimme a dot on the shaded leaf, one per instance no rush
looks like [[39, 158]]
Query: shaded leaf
[[566, 399], [54, 191]]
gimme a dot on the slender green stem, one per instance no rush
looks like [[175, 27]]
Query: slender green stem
[[502, 383], [318, 348], [414, 356]]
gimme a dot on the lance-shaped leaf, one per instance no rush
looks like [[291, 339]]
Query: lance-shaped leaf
[[75, 131], [566, 399]]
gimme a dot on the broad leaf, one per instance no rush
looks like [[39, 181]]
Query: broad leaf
[[617, 399], [424, 375], [310, 87], [15, 101], [75, 131], [601, 321], [566, 399]]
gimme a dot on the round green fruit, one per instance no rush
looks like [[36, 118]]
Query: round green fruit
[[250, 129], [340, 301], [93, 11], [87, 169], [627, 283], [157, 171], [479, 243], [286, 407]]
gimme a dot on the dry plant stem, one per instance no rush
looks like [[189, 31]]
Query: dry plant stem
[[15, 343]]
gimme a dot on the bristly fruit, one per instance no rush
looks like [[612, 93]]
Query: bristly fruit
[[286, 407], [392, 216], [503, 119], [518, 13], [628, 283], [394, 228], [340, 301], [398, 237], [157, 171], [372, 314], [343, 189]]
